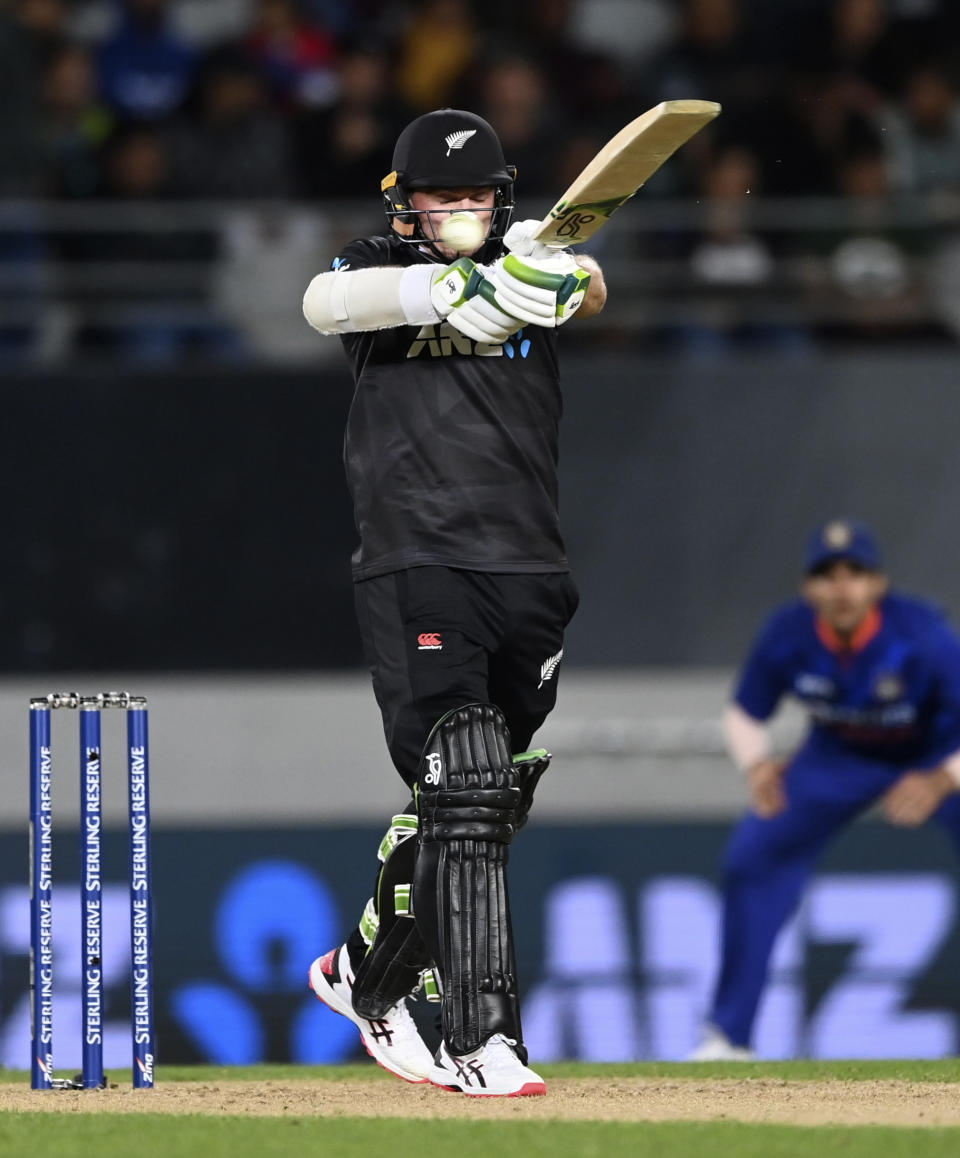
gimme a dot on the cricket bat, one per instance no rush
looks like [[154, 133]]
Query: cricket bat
[[620, 168]]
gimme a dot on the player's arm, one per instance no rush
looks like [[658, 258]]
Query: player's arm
[[596, 295], [917, 794], [542, 285], [760, 687], [749, 746], [345, 301]]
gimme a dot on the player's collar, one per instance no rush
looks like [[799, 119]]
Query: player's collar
[[867, 631]]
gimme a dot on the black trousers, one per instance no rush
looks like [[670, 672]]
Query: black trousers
[[436, 638]]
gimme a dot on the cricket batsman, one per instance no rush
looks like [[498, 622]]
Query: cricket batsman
[[450, 321], [879, 676]]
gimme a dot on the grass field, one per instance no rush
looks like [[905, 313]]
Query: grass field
[[500, 1128]]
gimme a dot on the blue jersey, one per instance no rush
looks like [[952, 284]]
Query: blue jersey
[[893, 694]]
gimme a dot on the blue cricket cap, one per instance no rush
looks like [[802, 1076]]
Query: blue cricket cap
[[842, 539]]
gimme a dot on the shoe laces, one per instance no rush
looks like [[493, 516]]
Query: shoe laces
[[403, 1024], [501, 1046]]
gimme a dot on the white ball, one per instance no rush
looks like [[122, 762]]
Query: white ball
[[462, 231]]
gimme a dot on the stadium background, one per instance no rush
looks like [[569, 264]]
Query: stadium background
[[780, 347]]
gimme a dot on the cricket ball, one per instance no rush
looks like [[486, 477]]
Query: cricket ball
[[462, 231]]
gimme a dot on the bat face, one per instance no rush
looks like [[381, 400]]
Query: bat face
[[621, 167]]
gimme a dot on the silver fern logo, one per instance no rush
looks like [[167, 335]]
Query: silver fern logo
[[549, 667], [458, 140]]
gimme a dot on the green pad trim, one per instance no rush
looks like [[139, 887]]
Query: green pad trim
[[401, 901], [369, 923], [402, 827], [432, 989]]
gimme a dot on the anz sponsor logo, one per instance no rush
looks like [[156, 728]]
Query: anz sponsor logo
[[627, 970], [443, 340], [517, 346], [808, 683]]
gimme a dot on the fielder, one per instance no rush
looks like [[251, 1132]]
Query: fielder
[[879, 674], [462, 584]]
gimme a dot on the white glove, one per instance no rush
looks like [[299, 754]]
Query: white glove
[[464, 296], [519, 240], [544, 291]]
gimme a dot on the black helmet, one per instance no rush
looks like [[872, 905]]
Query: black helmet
[[447, 149]]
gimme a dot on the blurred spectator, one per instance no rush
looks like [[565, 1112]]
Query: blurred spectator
[[734, 267], [205, 23], [297, 57], [75, 124], [730, 253], [199, 23], [137, 168], [922, 137], [851, 61], [714, 59], [796, 160], [515, 99], [601, 99], [627, 31], [269, 255], [142, 283], [44, 22], [861, 46], [873, 291], [236, 146], [436, 47], [145, 67], [20, 153], [340, 150], [31, 32]]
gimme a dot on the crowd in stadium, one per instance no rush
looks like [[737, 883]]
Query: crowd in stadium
[[303, 98], [233, 104]]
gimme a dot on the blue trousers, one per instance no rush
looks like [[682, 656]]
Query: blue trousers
[[767, 864]]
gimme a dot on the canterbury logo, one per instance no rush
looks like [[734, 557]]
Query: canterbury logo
[[458, 140], [429, 641], [549, 667]]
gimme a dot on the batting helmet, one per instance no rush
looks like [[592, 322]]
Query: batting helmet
[[447, 149]]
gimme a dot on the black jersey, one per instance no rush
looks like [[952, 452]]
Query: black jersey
[[451, 444]]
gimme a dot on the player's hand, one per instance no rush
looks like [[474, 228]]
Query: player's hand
[[767, 794], [544, 291], [916, 796], [464, 296], [519, 240]]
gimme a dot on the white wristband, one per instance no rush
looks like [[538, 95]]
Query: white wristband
[[748, 740], [415, 294], [952, 767]]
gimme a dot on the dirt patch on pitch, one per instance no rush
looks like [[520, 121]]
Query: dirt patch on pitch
[[811, 1103]]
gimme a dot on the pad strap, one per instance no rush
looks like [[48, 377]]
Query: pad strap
[[397, 958], [530, 767]]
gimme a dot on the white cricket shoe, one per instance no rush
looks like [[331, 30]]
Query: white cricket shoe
[[492, 1071], [393, 1041], [716, 1046]]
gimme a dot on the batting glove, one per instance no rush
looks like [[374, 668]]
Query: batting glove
[[544, 291], [519, 240], [465, 297]]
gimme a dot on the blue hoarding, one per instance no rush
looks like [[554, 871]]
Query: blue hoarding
[[617, 934]]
